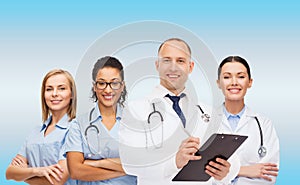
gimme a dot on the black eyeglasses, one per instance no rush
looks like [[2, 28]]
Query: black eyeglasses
[[113, 85]]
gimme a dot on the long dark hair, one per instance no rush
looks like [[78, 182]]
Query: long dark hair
[[234, 59]]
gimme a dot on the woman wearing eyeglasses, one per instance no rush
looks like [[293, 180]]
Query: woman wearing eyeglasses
[[92, 142]]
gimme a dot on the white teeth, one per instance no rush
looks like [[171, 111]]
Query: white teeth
[[55, 101], [108, 97], [173, 76], [234, 90]]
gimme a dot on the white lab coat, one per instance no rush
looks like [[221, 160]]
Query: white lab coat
[[156, 165], [248, 152]]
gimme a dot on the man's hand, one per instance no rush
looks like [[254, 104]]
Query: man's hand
[[219, 169], [187, 151]]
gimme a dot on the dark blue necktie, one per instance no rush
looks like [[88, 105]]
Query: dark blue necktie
[[175, 100]]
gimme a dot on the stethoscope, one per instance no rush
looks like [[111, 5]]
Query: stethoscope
[[149, 123], [205, 117], [262, 151], [91, 126]]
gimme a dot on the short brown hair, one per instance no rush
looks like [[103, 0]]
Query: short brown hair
[[176, 39]]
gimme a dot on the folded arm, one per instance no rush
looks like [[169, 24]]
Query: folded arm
[[18, 170], [260, 170], [267, 167], [109, 163], [86, 171]]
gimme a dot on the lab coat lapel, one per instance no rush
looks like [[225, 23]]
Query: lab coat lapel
[[248, 115], [221, 115], [191, 117], [158, 95]]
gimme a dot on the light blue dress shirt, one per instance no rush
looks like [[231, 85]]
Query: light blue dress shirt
[[96, 146], [40, 150], [233, 119]]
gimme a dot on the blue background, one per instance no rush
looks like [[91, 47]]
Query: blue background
[[36, 36]]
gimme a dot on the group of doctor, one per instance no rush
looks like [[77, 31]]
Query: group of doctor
[[111, 144]]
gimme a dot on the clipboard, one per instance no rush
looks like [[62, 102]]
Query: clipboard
[[218, 145]]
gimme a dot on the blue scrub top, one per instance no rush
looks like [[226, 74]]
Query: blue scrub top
[[40, 150], [96, 146]]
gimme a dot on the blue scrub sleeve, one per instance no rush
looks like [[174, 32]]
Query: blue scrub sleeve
[[74, 140]]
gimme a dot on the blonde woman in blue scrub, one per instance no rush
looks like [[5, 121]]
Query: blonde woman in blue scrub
[[40, 160], [92, 147]]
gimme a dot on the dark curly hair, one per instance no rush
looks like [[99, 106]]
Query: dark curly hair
[[113, 62]]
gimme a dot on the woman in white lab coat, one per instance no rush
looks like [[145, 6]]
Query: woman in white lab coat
[[259, 155]]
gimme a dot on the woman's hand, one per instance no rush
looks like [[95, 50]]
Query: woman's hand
[[18, 161], [260, 170], [55, 171]]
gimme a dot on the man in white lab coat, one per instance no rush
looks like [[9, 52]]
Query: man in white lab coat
[[162, 132]]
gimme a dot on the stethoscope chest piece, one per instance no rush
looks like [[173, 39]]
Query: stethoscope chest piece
[[262, 151], [205, 117]]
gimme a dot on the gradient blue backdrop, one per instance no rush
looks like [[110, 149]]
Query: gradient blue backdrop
[[36, 36]]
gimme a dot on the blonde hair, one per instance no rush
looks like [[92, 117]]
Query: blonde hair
[[73, 102]]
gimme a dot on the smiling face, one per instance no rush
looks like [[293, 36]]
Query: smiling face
[[174, 65], [57, 93], [108, 97], [234, 81]]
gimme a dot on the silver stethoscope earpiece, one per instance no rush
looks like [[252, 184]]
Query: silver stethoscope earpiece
[[262, 151]]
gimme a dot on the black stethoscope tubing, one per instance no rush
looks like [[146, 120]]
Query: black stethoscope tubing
[[90, 127], [262, 151]]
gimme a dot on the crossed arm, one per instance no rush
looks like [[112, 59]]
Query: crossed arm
[[18, 170], [93, 170], [260, 170], [267, 168]]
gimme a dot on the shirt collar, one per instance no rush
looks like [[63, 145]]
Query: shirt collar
[[62, 123], [97, 115], [161, 91], [228, 114]]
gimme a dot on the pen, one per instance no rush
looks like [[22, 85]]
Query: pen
[[198, 152], [187, 132]]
